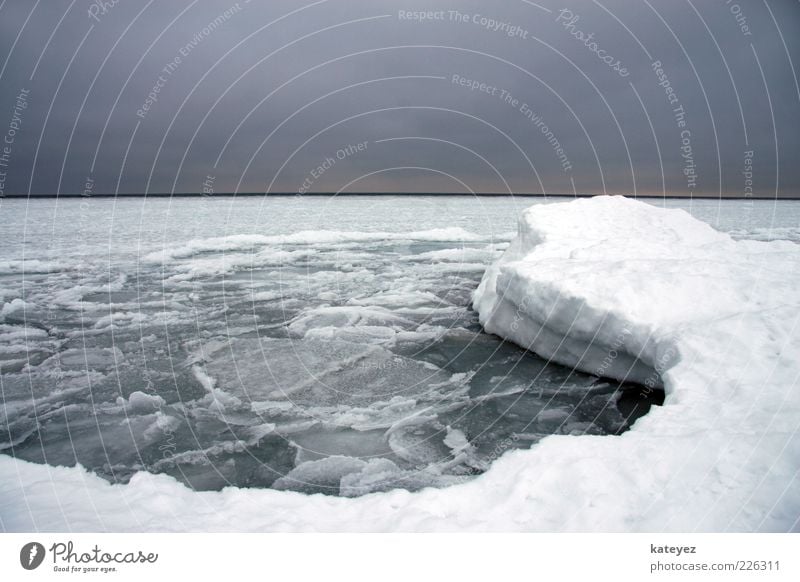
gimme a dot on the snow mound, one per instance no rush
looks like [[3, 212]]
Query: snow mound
[[610, 285]]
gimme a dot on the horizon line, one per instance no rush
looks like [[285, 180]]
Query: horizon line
[[398, 193]]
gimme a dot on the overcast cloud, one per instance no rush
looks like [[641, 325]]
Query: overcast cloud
[[158, 97]]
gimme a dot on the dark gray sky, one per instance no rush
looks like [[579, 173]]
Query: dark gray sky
[[256, 96]]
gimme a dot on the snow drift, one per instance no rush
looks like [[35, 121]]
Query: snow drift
[[611, 286]]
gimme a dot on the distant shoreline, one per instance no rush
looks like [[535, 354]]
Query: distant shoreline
[[382, 194]]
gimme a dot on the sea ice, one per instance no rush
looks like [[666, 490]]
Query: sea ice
[[612, 286]]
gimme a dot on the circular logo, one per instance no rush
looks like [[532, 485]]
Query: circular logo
[[31, 555]]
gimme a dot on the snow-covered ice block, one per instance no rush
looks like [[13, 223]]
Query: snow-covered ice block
[[608, 285]]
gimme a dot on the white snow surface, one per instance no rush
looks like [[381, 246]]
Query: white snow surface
[[667, 296]]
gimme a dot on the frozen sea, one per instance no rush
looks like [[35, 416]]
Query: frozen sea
[[314, 344]]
